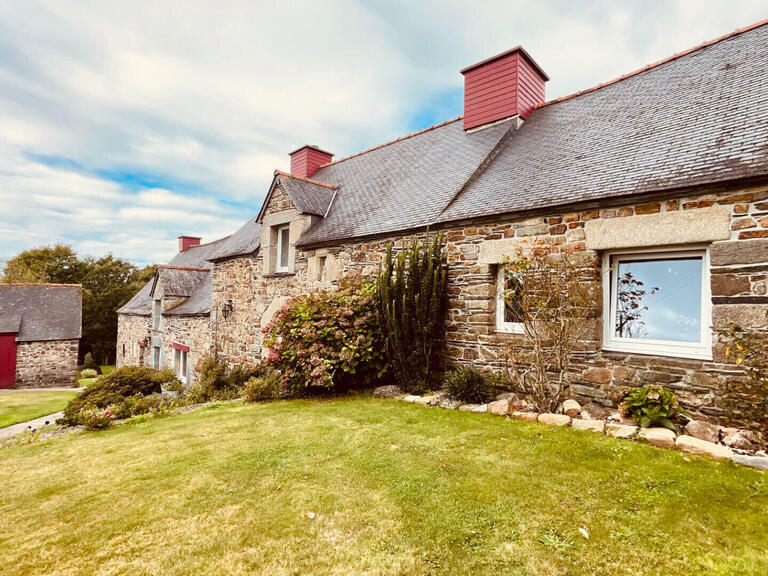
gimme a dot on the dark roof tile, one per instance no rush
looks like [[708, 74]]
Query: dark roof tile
[[41, 311]]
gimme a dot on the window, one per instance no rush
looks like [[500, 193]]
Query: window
[[156, 357], [509, 305], [157, 314], [283, 244], [321, 267], [180, 363], [657, 303]]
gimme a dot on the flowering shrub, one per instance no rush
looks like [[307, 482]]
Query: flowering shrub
[[96, 419], [327, 339], [651, 406]]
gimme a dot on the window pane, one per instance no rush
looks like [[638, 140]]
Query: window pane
[[659, 299], [513, 298], [284, 233]]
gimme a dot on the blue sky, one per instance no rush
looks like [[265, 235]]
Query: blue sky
[[124, 125]]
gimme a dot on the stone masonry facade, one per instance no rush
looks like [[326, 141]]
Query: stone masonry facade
[[738, 272], [131, 331], [44, 364]]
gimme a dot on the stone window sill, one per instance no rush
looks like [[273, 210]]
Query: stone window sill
[[279, 274]]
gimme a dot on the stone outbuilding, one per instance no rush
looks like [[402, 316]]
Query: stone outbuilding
[[658, 177], [40, 329]]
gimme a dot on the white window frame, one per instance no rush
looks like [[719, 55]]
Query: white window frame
[[157, 314], [701, 350], [157, 357], [181, 364], [278, 259], [501, 325]]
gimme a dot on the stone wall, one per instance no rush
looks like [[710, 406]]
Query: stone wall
[[734, 222], [46, 363], [131, 330], [191, 331]]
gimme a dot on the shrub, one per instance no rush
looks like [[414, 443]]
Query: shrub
[[264, 388], [138, 404], [88, 373], [330, 339], [219, 382], [96, 418], [469, 384], [651, 406], [114, 388], [411, 310], [90, 364]]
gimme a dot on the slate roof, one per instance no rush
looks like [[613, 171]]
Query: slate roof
[[308, 195], [245, 241], [41, 312], [189, 275], [695, 119]]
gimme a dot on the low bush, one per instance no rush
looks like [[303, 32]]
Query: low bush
[[90, 364], [264, 388], [651, 406], [114, 388], [469, 384], [96, 418], [328, 340], [88, 373], [138, 404], [219, 382]]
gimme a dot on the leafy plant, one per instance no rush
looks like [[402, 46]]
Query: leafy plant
[[411, 310], [748, 349], [218, 381], [555, 296], [88, 373], [264, 388], [469, 384], [115, 387], [93, 418], [330, 339], [651, 406], [90, 364]]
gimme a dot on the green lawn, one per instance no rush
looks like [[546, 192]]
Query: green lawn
[[358, 486], [22, 405]]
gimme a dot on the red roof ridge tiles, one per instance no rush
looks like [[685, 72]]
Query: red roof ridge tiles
[[287, 175], [655, 64], [411, 135]]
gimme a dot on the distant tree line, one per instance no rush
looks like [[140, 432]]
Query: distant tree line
[[108, 283]]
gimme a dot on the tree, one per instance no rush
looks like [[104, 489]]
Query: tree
[[556, 296], [57, 264], [629, 312], [411, 308], [108, 283]]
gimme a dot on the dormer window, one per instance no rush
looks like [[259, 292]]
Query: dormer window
[[283, 245]]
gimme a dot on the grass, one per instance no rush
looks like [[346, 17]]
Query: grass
[[22, 405], [105, 369], [371, 487]]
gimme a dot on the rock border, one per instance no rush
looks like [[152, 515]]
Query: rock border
[[614, 426]]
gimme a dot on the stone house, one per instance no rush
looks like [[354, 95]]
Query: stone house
[[40, 329], [660, 177]]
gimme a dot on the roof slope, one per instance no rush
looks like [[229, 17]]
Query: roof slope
[[188, 275], [699, 118], [245, 241], [41, 311], [309, 196]]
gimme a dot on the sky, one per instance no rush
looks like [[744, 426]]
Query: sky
[[126, 124]]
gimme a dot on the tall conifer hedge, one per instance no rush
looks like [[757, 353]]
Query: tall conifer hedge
[[412, 298]]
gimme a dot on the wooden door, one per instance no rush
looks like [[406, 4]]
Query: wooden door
[[7, 360]]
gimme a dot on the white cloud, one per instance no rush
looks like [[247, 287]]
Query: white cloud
[[209, 97]]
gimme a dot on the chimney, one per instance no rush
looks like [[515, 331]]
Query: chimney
[[306, 160], [187, 242], [506, 85]]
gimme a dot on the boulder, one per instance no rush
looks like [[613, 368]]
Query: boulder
[[703, 430], [759, 462], [571, 408], [387, 391], [595, 412], [501, 407], [529, 416], [438, 397], [513, 398], [411, 398], [661, 437], [741, 439], [450, 404], [620, 430], [476, 408], [592, 425], [424, 400], [693, 445], [554, 419]]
